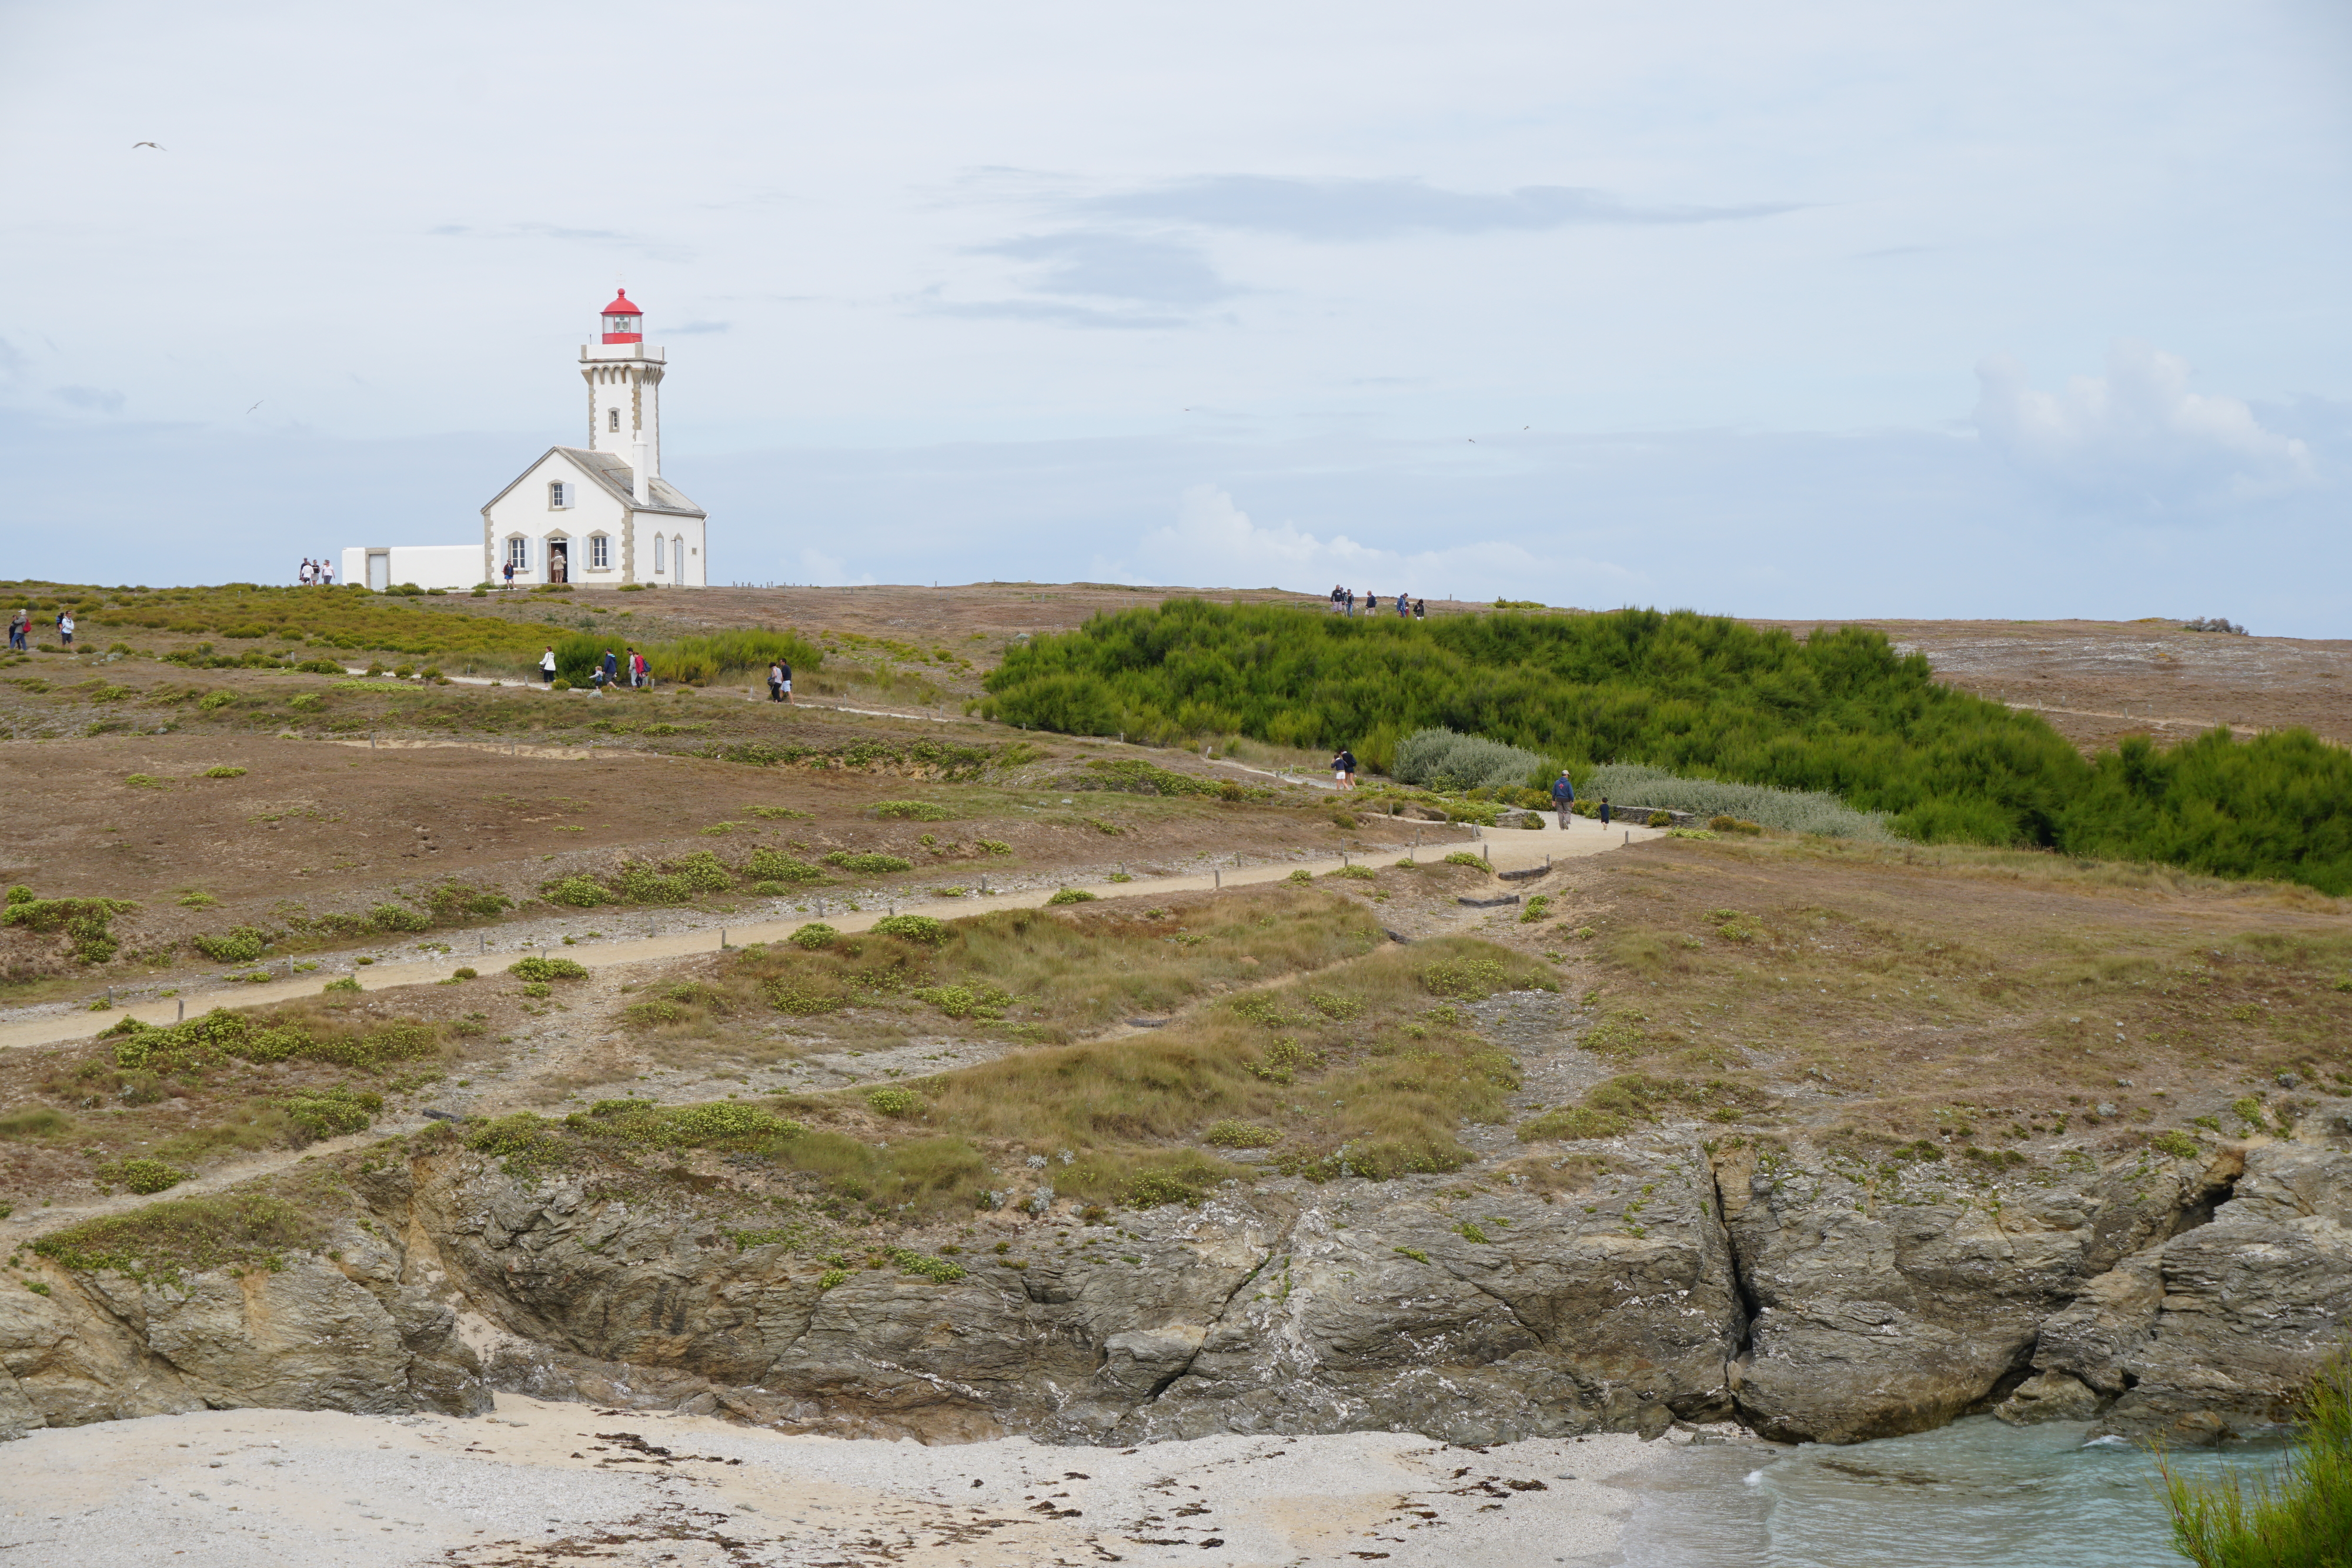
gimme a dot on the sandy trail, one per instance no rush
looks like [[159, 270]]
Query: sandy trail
[[1513, 850], [548, 1483]]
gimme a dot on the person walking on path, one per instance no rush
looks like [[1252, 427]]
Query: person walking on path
[[547, 667], [326, 575], [608, 672], [775, 680], [510, 583], [1421, 610], [638, 670], [66, 628], [1563, 798], [1343, 768], [1350, 601], [1604, 811], [1405, 608], [20, 630]]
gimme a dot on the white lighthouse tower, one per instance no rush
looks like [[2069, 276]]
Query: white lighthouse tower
[[600, 516]]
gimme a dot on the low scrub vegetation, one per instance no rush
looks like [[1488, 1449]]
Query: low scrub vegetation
[[2300, 1517], [166, 1241], [1628, 785], [1840, 713]]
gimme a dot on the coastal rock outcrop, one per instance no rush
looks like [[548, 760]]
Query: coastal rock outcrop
[[1815, 1294]]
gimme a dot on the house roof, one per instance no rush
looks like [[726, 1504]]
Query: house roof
[[621, 306], [604, 469]]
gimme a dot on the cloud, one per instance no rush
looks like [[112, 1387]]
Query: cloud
[[1097, 264], [1342, 210], [2137, 432], [97, 399], [657, 249], [1212, 541], [818, 570], [1057, 314]]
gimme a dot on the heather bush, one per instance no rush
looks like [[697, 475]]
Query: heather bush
[[1787, 810]]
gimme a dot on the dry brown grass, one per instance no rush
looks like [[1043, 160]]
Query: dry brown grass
[[1027, 975], [1959, 995]]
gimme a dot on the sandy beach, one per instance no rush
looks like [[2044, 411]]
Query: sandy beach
[[547, 1483]]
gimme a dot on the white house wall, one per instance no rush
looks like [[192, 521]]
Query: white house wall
[[524, 510], [427, 566]]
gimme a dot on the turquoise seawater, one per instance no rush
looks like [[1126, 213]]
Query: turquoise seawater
[[1976, 1494]]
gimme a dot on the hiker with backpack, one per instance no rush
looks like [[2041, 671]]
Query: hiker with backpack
[[1563, 798]]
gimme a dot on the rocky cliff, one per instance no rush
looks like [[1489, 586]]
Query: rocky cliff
[[1813, 1295]]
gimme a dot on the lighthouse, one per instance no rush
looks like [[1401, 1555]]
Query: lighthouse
[[601, 515]]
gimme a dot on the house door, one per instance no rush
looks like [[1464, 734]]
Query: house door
[[559, 563], [379, 570]]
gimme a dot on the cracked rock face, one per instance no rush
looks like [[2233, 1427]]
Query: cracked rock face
[[1263, 1312], [1815, 1296], [1890, 1299], [316, 1335], [2216, 1329]]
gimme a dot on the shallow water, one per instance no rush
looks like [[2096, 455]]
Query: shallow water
[[1976, 1494]]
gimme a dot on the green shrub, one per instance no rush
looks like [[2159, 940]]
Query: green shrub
[[1464, 857], [88, 923], [348, 983], [816, 934], [533, 967], [332, 1112], [912, 810], [868, 864], [1302, 874], [162, 1240], [893, 1102], [144, 1176], [2299, 1515], [240, 945], [577, 892], [977, 999], [801, 997], [2179, 1145], [1232, 1134], [1760, 806], [396, 917], [223, 771], [773, 865], [1357, 873], [1442, 760], [921, 928], [1072, 895]]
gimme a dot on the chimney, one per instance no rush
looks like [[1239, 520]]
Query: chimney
[[643, 471]]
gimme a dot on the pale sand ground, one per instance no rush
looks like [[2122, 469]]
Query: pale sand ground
[[536, 1485]]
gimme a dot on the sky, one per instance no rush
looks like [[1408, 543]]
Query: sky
[[1985, 309]]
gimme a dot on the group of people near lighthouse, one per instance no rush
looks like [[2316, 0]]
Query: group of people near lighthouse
[[1343, 603], [316, 574]]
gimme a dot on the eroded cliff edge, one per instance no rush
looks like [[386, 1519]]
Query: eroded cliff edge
[[1812, 1296]]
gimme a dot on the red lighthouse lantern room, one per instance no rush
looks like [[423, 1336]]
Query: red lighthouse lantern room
[[623, 322]]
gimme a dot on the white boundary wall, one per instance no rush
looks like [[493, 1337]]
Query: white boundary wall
[[427, 566]]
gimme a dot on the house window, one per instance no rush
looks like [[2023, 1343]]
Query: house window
[[658, 552], [600, 552], [559, 496], [519, 553], [613, 419]]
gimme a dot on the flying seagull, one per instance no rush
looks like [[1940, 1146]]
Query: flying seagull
[[256, 404], [157, 145]]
